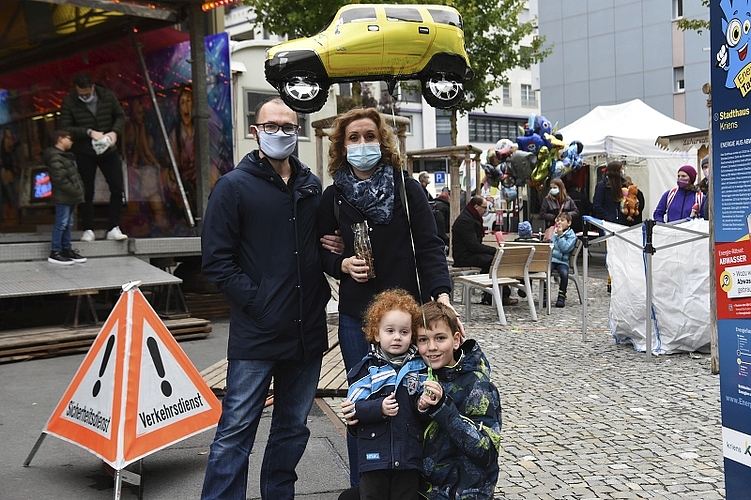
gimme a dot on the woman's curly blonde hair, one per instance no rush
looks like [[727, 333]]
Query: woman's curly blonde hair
[[337, 150], [395, 299]]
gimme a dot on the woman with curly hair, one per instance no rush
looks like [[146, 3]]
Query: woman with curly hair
[[368, 192]]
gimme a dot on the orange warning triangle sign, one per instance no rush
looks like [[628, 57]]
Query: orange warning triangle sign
[[135, 392]]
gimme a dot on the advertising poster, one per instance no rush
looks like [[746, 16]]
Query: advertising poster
[[731, 169]]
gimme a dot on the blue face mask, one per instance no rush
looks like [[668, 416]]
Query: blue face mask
[[364, 156]]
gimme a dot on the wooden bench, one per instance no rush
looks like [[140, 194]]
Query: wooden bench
[[332, 381]]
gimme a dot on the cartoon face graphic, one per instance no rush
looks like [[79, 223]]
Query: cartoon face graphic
[[734, 55]]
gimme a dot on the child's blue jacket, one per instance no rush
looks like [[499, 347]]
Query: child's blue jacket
[[387, 442]]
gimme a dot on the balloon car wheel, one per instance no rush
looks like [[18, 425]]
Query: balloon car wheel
[[443, 91], [302, 89]]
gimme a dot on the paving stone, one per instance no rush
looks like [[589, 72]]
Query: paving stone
[[592, 419]]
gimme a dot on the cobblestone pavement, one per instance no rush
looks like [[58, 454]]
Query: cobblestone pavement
[[593, 419]]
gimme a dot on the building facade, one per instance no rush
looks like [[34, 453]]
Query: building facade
[[428, 128], [612, 51]]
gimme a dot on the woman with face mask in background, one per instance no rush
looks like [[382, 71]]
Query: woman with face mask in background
[[368, 188], [557, 201], [683, 201]]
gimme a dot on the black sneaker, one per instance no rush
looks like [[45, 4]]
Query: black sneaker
[[59, 258], [73, 255]]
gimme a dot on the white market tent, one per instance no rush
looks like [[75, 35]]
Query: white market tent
[[628, 132]]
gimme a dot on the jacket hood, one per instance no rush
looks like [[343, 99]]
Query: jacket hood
[[52, 151], [470, 359]]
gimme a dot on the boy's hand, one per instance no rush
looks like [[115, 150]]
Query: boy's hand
[[348, 412], [431, 395], [389, 406]]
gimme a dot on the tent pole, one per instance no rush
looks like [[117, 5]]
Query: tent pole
[[585, 302], [649, 250]]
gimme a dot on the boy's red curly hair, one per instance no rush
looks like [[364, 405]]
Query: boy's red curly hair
[[395, 299]]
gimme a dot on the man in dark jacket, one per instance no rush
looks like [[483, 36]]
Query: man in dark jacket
[[259, 247], [467, 247], [93, 115]]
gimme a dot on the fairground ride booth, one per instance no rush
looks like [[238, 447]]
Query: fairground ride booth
[[133, 50], [177, 137]]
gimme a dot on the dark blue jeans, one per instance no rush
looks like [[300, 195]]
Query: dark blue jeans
[[64, 220], [111, 166], [562, 274], [354, 347], [248, 382]]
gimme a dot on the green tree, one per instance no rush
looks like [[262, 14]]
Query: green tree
[[697, 25], [492, 37]]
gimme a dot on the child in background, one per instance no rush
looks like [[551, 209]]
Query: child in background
[[460, 452], [67, 192], [381, 405], [563, 241]]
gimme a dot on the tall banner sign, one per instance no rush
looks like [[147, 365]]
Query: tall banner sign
[[730, 174]]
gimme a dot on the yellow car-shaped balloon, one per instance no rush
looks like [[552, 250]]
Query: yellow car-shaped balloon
[[368, 42]]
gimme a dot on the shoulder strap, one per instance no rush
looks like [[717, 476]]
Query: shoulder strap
[[671, 196], [405, 202]]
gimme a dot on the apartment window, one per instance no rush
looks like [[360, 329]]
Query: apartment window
[[679, 83], [529, 97], [677, 9], [442, 128], [506, 95], [410, 91], [253, 98], [483, 128]]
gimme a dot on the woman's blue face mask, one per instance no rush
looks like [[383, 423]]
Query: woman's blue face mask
[[364, 156]]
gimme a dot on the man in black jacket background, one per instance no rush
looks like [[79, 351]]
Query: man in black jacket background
[[92, 113], [467, 247]]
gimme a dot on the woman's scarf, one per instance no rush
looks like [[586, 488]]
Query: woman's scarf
[[373, 196]]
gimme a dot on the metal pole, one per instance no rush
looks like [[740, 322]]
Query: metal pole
[[163, 128], [198, 31], [649, 250], [35, 449], [585, 302]]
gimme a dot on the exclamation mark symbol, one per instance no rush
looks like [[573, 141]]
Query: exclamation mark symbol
[[105, 359], [157, 358]]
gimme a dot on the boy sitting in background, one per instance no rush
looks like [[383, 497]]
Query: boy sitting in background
[[563, 241], [460, 450]]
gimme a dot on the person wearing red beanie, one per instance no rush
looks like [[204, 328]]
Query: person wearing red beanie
[[679, 202]]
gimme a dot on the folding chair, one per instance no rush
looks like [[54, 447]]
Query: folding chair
[[540, 269], [573, 271], [508, 263]]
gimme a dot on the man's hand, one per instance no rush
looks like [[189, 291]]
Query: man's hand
[[389, 406], [113, 136], [333, 242], [96, 135]]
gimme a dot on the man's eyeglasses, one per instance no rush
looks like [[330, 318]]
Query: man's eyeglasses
[[273, 128]]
